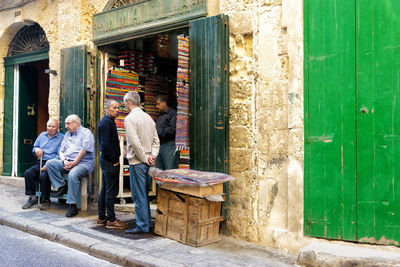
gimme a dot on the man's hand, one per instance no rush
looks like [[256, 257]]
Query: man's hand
[[116, 164], [43, 169], [151, 160], [39, 153], [68, 165]]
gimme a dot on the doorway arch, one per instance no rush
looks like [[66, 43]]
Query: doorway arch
[[26, 90]]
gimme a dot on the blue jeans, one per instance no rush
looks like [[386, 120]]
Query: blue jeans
[[55, 169], [167, 157], [109, 189], [140, 187]]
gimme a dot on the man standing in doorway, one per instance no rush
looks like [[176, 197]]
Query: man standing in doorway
[[76, 159], [142, 148], [109, 163], [166, 128], [46, 147]]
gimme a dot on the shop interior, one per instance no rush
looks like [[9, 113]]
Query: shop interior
[[151, 65]]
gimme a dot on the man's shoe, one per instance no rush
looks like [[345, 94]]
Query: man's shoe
[[117, 224], [61, 191], [32, 200], [45, 204], [101, 222], [133, 231], [72, 211]]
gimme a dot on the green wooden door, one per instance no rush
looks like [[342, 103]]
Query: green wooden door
[[209, 57], [351, 124], [73, 87], [378, 120], [27, 117], [330, 135]]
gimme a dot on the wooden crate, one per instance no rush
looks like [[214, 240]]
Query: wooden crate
[[197, 191], [190, 220]]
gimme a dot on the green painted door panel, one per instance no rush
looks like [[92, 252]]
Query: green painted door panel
[[8, 120], [330, 147], [352, 121], [73, 87], [378, 120], [27, 117], [209, 59]]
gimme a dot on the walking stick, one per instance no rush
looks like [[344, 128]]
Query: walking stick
[[40, 172]]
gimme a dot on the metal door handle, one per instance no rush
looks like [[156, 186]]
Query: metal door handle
[[364, 110]]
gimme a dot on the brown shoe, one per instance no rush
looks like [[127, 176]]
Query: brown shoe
[[117, 224], [101, 222]]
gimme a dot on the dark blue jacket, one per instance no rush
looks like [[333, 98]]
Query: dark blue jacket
[[166, 126], [108, 139]]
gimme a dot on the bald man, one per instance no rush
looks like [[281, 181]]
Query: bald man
[[109, 163], [45, 147]]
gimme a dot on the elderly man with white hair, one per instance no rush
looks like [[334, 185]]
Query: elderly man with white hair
[[142, 145], [45, 148], [76, 159]]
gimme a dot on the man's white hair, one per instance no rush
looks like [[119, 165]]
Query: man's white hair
[[73, 117], [132, 97], [53, 120]]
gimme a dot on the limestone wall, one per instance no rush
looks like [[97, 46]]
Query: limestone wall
[[266, 121]]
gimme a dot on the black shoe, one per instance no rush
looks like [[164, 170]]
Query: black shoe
[[61, 191], [72, 211], [133, 231], [45, 204], [32, 200]]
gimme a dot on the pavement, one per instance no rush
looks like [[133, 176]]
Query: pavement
[[82, 233]]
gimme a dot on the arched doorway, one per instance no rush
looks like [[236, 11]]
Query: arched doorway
[[26, 94]]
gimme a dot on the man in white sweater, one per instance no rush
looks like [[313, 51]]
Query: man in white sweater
[[142, 145]]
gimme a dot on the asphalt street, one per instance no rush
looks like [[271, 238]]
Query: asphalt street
[[22, 249]]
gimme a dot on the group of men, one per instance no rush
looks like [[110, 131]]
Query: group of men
[[147, 143]]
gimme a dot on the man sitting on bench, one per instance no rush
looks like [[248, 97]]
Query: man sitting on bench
[[46, 147], [76, 159]]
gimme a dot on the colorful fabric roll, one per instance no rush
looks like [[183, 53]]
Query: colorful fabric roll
[[119, 82], [182, 90]]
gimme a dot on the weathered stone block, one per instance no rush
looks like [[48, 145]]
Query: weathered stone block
[[240, 159], [239, 114], [240, 137], [241, 22]]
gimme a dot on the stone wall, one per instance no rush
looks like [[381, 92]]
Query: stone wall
[[266, 120]]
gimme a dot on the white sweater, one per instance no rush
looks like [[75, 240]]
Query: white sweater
[[141, 137]]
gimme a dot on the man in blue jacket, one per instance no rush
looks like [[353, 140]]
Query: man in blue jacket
[[46, 147], [109, 163]]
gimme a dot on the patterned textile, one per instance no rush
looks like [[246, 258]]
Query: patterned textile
[[182, 87], [182, 90], [154, 85], [189, 177], [119, 82]]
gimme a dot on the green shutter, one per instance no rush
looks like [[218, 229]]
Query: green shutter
[[73, 87], [209, 86], [8, 120]]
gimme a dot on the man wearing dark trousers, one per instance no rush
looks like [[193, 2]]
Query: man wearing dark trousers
[[166, 129], [109, 163], [46, 147]]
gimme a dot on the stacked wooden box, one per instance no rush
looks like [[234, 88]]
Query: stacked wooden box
[[184, 215]]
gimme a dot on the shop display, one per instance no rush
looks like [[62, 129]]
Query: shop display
[[119, 82]]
